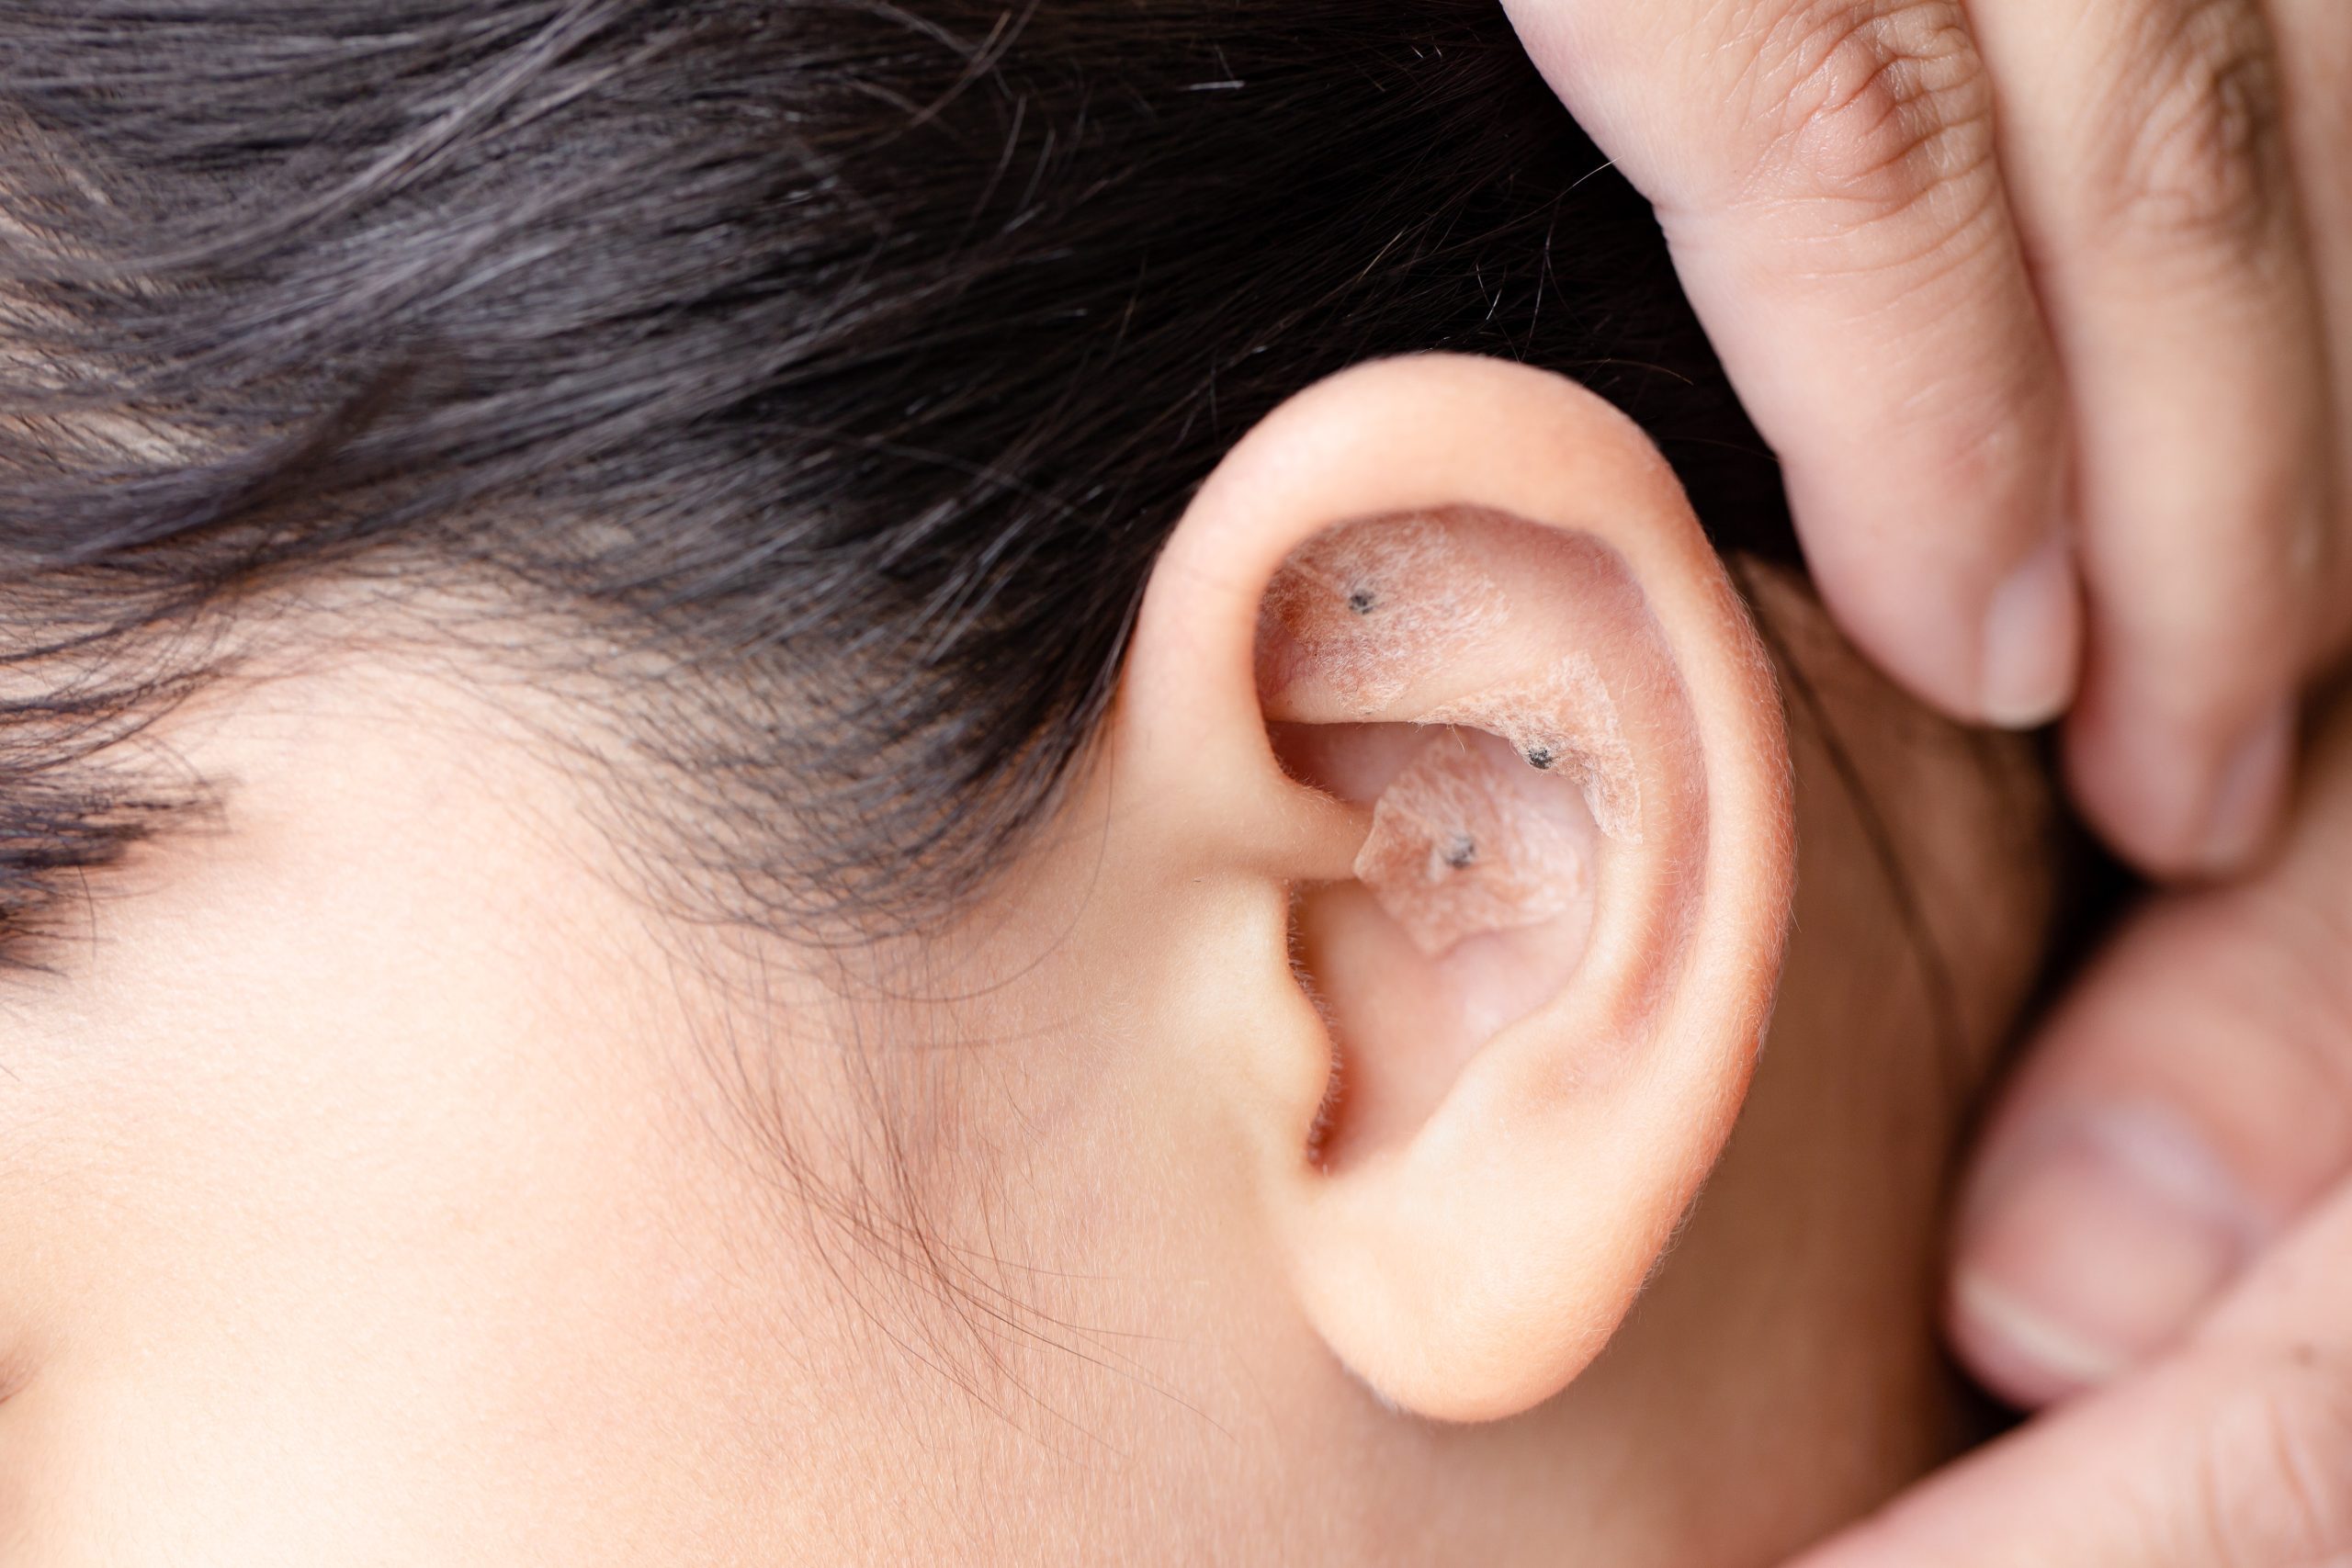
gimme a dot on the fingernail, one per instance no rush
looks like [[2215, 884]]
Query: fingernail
[[2249, 792], [2093, 1245], [2033, 633]]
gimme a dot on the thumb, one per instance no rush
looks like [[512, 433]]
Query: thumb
[[2188, 1102], [2235, 1450]]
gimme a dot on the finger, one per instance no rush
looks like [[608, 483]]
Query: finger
[[2144, 144], [2315, 61], [2237, 1451], [2186, 1102], [1824, 173]]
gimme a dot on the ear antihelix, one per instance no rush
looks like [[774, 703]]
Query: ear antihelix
[[1533, 1072], [1482, 730]]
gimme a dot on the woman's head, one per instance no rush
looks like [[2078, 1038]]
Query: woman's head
[[863, 352], [567, 569]]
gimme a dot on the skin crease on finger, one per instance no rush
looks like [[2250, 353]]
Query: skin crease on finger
[[2104, 328], [384, 1177], [2176, 1118]]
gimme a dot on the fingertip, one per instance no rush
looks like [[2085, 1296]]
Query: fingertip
[[1972, 601], [2177, 803], [2015, 1352], [2032, 653], [2092, 1236], [2249, 796], [2008, 656], [1934, 607]]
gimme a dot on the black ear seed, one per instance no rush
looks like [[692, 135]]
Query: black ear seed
[[1362, 601], [1463, 853], [1541, 758]]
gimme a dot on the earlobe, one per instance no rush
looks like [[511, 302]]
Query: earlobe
[[1458, 683]]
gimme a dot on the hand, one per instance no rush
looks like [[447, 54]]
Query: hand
[[2168, 1190], [2047, 307], [2235, 1452]]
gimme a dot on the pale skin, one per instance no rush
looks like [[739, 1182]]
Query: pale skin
[[2047, 309], [385, 1179]]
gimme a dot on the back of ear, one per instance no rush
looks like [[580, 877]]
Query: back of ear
[[1440, 683]]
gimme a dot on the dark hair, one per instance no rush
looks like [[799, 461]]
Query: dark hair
[[858, 352]]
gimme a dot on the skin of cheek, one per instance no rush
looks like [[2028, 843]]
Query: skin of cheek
[[374, 1185], [329, 1237]]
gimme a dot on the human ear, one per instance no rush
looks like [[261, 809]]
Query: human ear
[[1465, 775]]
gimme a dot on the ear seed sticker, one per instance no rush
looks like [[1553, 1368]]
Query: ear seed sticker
[[1467, 839], [1565, 723], [1366, 608]]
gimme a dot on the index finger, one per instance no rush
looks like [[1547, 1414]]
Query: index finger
[[1825, 174]]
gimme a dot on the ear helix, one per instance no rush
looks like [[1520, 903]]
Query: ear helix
[[1530, 857]]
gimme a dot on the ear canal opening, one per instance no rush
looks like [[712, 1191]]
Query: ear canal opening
[[1470, 908], [1469, 832]]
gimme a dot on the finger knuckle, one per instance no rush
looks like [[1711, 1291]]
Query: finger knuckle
[[2199, 158], [2274, 1482], [1880, 108]]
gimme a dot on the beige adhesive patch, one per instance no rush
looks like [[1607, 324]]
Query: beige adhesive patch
[[1367, 608], [1565, 723], [1467, 839]]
